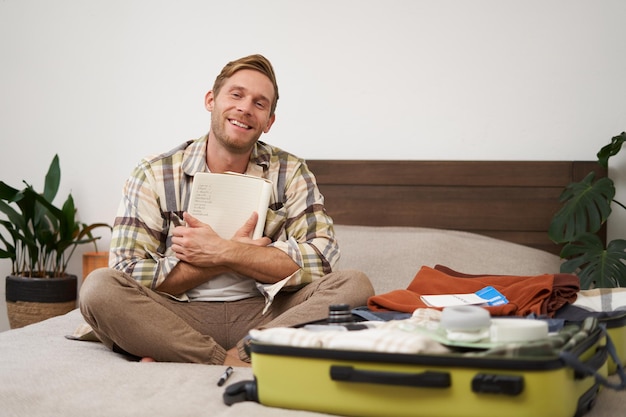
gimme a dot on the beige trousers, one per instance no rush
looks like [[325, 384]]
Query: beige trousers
[[130, 318]]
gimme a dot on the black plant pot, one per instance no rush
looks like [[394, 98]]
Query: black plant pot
[[31, 300]]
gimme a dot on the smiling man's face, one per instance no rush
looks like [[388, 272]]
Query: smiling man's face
[[240, 112]]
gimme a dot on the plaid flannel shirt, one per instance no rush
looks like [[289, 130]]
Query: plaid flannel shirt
[[157, 193]]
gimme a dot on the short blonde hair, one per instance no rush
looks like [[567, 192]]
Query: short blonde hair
[[254, 62]]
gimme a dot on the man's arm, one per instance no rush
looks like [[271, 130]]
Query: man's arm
[[185, 276], [141, 230], [204, 254], [299, 225]]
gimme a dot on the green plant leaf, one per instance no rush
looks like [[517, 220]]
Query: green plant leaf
[[7, 192], [22, 226], [14, 217], [595, 265], [68, 227], [53, 180], [611, 149], [87, 229], [9, 251], [587, 206]]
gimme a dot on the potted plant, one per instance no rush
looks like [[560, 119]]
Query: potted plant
[[587, 206], [40, 240]]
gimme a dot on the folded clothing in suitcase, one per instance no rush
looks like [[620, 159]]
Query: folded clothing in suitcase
[[608, 305], [530, 379]]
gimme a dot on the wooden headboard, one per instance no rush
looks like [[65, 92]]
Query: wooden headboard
[[509, 200]]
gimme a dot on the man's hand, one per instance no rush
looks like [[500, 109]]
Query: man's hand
[[199, 245], [245, 232], [204, 254]]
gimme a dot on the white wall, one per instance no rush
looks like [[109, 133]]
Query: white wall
[[103, 83]]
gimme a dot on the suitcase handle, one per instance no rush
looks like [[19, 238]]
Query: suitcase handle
[[427, 379], [592, 365], [591, 368]]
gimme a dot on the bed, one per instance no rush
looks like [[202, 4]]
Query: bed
[[391, 218]]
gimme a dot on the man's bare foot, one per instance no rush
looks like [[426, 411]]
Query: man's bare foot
[[147, 359], [232, 358]]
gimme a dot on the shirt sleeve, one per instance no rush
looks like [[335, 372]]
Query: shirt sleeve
[[301, 228], [140, 241]]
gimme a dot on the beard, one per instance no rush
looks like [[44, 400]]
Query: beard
[[236, 145]]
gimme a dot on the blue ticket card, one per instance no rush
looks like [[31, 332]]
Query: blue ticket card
[[492, 296]]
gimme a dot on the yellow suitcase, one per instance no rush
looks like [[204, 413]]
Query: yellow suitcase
[[360, 383]]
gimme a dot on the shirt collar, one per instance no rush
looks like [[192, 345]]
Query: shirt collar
[[194, 158]]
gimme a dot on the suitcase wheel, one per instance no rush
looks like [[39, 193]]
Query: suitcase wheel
[[240, 392]]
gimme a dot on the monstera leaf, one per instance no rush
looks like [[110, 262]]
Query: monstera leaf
[[587, 206], [611, 149], [596, 266]]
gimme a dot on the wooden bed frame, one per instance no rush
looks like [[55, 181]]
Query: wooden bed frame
[[508, 200]]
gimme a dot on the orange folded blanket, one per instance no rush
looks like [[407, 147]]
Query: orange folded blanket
[[542, 295]]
